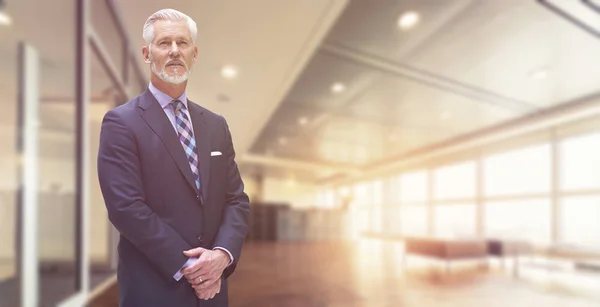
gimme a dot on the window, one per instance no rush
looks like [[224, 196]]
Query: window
[[329, 198], [580, 162], [413, 187], [377, 219], [413, 220], [518, 172], [391, 220], [343, 197], [377, 190], [321, 198], [519, 219], [455, 181], [579, 220], [363, 194], [359, 221], [394, 190], [455, 220]]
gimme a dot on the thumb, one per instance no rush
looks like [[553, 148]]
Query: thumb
[[194, 252]]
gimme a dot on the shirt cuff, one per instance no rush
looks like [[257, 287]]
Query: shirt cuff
[[178, 275], [228, 253]]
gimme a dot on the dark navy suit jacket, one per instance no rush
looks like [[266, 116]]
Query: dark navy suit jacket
[[152, 200]]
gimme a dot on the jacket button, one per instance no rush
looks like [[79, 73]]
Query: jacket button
[[200, 238]]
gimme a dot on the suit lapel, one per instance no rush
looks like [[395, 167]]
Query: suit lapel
[[158, 121], [202, 136]]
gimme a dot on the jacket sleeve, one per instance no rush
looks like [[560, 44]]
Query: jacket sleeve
[[119, 173], [234, 226]]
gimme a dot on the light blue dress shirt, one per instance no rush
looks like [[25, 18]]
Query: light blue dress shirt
[[165, 100]]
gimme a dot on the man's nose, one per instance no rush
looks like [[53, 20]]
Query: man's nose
[[174, 49]]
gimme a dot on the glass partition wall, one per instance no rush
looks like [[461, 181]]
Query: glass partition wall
[[80, 75], [9, 181]]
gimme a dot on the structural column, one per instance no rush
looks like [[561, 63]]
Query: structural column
[[82, 81]]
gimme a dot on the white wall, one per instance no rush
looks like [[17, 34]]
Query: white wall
[[252, 188], [297, 193]]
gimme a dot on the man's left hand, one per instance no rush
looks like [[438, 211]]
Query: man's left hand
[[207, 269], [204, 292]]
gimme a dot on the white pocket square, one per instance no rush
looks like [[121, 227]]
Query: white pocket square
[[215, 153]]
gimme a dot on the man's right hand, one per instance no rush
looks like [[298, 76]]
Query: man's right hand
[[207, 293], [208, 268]]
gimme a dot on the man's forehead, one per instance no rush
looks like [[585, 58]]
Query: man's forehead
[[171, 28]]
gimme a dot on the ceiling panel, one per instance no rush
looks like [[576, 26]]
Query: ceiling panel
[[349, 140], [516, 48], [407, 139], [296, 146], [400, 104], [423, 106], [380, 114], [391, 100], [349, 129], [313, 88], [339, 140], [372, 26], [380, 102], [293, 119]]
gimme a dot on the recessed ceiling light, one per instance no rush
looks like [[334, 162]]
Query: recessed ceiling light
[[291, 181], [5, 20], [282, 140], [338, 87], [408, 20], [302, 121], [445, 115], [229, 72], [539, 74]]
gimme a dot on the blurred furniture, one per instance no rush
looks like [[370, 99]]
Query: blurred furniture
[[509, 248], [264, 224], [278, 222], [446, 249], [583, 257], [569, 252]]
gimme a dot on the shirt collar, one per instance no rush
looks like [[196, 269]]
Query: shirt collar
[[163, 99]]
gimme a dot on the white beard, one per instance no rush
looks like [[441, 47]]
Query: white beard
[[162, 74]]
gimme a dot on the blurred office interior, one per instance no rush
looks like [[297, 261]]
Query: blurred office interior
[[396, 152]]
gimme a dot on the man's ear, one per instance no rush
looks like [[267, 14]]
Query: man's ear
[[195, 58], [146, 54]]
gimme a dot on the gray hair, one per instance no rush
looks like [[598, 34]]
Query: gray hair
[[167, 14]]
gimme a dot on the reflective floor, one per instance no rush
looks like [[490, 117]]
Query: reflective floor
[[367, 273], [371, 274]]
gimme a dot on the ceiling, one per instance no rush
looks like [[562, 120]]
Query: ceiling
[[269, 41], [465, 66]]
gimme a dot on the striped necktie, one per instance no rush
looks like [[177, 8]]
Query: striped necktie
[[186, 137]]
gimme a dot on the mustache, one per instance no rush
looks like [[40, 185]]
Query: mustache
[[176, 61]]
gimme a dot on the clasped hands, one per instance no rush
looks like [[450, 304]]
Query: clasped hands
[[205, 273]]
